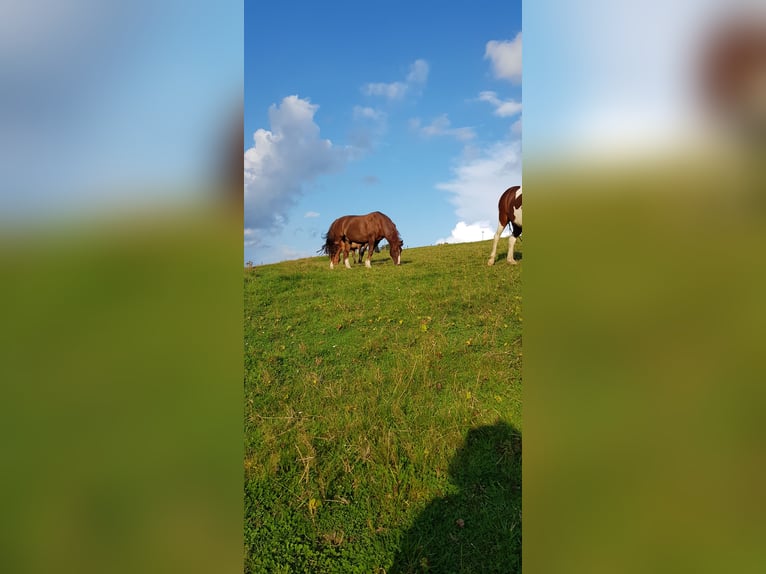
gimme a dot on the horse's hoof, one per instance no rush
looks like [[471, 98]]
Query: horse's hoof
[[511, 262], [491, 262]]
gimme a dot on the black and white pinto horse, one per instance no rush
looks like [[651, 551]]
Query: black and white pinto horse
[[509, 212]]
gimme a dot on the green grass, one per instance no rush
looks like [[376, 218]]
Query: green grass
[[383, 414]]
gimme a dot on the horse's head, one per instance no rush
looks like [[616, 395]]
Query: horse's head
[[331, 247], [395, 249], [335, 252]]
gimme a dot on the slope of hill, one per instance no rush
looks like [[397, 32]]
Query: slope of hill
[[383, 414]]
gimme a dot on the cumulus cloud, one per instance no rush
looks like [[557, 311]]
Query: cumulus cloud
[[282, 161], [253, 237], [392, 91], [414, 82], [440, 126], [287, 252], [369, 126], [516, 127], [367, 113], [503, 108], [310, 214], [479, 178], [418, 73], [465, 233], [482, 173], [506, 58]]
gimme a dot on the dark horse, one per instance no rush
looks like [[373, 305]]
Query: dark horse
[[509, 211], [366, 230]]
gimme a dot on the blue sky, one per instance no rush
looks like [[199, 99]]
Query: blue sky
[[403, 107]]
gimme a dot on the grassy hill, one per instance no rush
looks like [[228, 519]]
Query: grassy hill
[[383, 414]]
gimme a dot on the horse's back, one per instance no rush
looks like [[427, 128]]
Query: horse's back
[[510, 197], [509, 201]]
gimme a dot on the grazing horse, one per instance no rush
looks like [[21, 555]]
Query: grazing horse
[[509, 211], [367, 230]]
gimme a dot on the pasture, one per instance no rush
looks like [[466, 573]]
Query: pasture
[[383, 414]]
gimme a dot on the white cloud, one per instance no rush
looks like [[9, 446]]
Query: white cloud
[[503, 108], [465, 233], [309, 214], [418, 73], [482, 174], [480, 177], [287, 253], [392, 91], [506, 58], [253, 237], [440, 126], [414, 82], [369, 126], [516, 127], [282, 161], [367, 113]]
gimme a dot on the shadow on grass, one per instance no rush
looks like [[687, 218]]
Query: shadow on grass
[[477, 528]]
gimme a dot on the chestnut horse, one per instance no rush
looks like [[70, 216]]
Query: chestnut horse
[[509, 211], [366, 230]]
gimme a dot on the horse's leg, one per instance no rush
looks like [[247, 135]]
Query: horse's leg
[[511, 243], [346, 247], [370, 249], [334, 258], [492, 256]]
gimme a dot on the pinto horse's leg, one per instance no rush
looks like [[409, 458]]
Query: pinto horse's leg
[[492, 256], [515, 233], [511, 243]]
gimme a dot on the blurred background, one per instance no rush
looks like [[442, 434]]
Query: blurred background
[[121, 247], [644, 149], [121, 257]]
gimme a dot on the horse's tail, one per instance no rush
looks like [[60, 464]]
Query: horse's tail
[[329, 245]]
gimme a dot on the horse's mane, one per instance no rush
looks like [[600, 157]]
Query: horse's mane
[[390, 227], [396, 233]]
